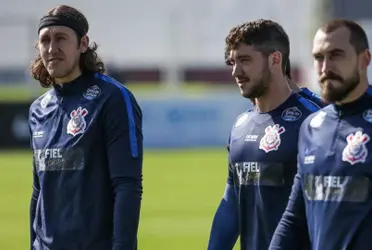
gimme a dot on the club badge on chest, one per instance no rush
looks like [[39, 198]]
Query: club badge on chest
[[77, 123], [271, 140], [356, 150]]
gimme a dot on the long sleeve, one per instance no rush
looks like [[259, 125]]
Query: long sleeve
[[34, 198], [123, 133], [225, 226], [291, 232]]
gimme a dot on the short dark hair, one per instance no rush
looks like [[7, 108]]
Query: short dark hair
[[89, 62], [266, 36], [288, 70], [358, 37]]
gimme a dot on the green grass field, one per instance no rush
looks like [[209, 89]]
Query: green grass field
[[182, 190]]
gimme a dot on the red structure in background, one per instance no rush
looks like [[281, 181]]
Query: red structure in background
[[208, 75]]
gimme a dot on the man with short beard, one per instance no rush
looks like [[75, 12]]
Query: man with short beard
[[331, 200], [263, 141], [305, 92]]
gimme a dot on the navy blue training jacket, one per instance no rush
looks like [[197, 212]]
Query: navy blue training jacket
[[87, 155], [331, 200], [315, 98], [262, 166]]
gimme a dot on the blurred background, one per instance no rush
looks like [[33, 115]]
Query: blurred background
[[170, 54]]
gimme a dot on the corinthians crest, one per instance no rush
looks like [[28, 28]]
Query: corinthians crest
[[77, 124], [355, 150], [271, 140]]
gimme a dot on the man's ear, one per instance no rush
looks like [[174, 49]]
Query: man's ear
[[84, 44], [366, 58], [275, 60]]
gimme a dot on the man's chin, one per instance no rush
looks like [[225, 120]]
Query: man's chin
[[331, 84], [333, 95], [55, 74], [247, 95]]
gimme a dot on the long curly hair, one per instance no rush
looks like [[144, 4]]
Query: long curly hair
[[89, 61]]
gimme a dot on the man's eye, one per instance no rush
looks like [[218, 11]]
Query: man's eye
[[230, 63], [44, 40]]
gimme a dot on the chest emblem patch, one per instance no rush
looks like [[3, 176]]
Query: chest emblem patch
[[92, 92], [291, 114], [318, 120], [367, 115], [355, 150], [271, 140], [77, 123]]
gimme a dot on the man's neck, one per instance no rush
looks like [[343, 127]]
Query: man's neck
[[293, 85], [69, 78], [355, 93], [278, 92]]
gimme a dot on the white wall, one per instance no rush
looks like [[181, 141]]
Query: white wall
[[145, 31]]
